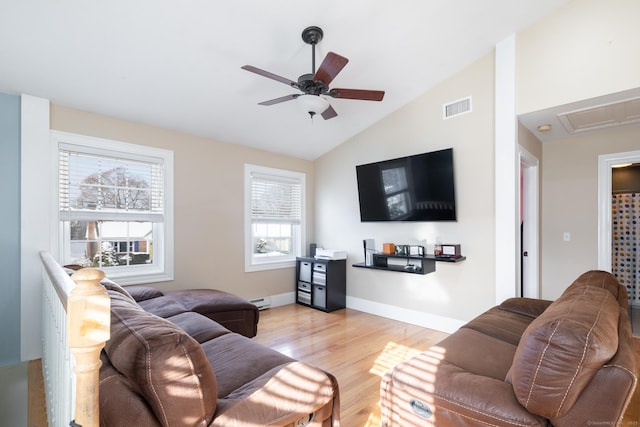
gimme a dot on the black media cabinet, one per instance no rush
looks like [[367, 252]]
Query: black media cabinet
[[321, 284]]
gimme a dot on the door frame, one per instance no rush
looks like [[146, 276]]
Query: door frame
[[529, 241], [605, 163]]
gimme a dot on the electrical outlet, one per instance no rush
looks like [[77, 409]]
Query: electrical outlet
[[566, 236]]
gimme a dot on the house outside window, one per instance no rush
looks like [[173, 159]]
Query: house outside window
[[274, 217], [115, 207]]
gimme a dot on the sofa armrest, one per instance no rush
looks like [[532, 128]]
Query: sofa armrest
[[526, 306], [454, 397]]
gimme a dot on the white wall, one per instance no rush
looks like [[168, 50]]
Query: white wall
[[455, 291], [585, 49]]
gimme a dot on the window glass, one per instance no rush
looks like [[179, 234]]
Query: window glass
[[274, 217], [114, 204]]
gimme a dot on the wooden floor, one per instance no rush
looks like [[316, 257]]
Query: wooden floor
[[354, 346]]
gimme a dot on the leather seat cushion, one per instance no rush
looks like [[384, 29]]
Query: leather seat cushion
[[562, 349]]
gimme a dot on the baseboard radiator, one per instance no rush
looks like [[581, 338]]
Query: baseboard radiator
[[262, 303], [76, 322]]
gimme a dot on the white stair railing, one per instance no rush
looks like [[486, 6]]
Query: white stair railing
[[76, 322]]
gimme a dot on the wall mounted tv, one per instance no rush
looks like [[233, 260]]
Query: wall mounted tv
[[413, 188]]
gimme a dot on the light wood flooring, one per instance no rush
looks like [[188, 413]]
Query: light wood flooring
[[354, 346]]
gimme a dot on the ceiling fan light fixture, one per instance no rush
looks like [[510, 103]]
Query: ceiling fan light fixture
[[313, 104]]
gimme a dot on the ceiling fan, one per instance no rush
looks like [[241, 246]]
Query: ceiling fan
[[315, 86]]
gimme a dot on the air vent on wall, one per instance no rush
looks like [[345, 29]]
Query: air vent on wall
[[456, 108]]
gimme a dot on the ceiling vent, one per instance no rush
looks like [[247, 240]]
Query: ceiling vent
[[621, 113], [456, 108]]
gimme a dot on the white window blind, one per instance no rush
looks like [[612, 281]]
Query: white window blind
[[274, 217], [275, 199], [115, 207], [101, 187]]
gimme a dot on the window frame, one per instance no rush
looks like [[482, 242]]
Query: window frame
[[163, 233], [251, 265]]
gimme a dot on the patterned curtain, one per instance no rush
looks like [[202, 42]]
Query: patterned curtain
[[626, 260]]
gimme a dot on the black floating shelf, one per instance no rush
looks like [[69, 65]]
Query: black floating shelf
[[414, 264], [447, 258]]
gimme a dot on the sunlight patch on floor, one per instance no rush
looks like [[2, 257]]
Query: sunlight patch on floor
[[391, 355], [373, 420]]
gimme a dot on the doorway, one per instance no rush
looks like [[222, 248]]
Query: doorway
[[606, 162], [529, 213]]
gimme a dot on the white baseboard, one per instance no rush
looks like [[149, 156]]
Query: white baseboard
[[283, 299], [420, 318], [426, 320]]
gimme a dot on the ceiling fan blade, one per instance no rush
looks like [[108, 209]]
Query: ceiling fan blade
[[279, 100], [329, 113], [330, 67], [269, 75], [363, 94]]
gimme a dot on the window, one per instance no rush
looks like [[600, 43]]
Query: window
[[115, 207], [274, 217]]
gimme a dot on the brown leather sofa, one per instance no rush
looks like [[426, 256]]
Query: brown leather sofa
[[188, 370], [526, 362]]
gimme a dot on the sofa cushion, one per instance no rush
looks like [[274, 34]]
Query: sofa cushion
[[110, 285], [142, 293], [529, 307], [562, 349], [168, 367], [237, 360], [501, 324], [199, 327], [164, 306], [118, 392], [598, 279]]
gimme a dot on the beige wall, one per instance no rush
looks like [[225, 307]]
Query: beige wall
[[209, 226], [570, 203], [586, 49], [458, 291]]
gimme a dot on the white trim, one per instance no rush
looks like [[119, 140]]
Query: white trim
[[249, 264], [414, 317], [35, 193], [506, 171], [163, 268], [530, 170], [605, 162], [283, 299]]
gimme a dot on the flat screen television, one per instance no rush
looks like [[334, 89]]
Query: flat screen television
[[414, 188]]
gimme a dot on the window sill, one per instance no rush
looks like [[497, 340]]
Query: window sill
[[276, 265]]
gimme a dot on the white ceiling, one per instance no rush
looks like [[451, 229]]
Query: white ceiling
[[176, 64], [585, 116]]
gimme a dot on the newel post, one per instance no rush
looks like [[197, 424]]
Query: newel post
[[88, 323]]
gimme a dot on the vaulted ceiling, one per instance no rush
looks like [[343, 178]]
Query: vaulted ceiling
[[176, 64]]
